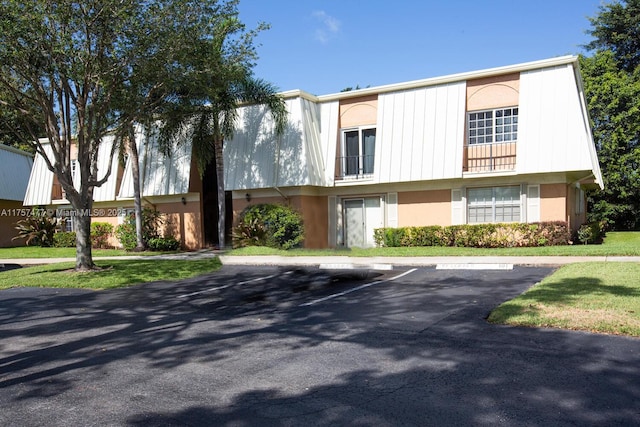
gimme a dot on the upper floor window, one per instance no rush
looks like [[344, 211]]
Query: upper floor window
[[357, 152], [489, 126]]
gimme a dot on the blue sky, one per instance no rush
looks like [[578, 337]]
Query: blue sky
[[324, 46]]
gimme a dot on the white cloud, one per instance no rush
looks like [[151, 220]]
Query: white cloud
[[330, 26]]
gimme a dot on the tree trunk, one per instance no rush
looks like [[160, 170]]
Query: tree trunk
[[137, 196], [219, 159], [84, 257]]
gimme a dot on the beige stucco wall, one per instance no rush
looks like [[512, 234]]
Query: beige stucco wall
[[183, 221], [359, 111], [575, 219], [11, 211], [418, 208], [493, 92], [314, 210], [553, 202]]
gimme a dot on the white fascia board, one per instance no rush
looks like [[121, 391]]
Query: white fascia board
[[595, 164], [516, 68]]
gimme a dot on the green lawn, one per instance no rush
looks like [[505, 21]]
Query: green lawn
[[616, 243], [114, 273], [38, 252], [596, 297]]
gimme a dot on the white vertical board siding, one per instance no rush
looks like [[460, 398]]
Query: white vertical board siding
[[106, 191], [160, 175], [15, 169], [40, 180], [328, 123], [292, 167], [315, 164], [165, 175], [552, 136], [250, 156], [256, 158], [421, 133]]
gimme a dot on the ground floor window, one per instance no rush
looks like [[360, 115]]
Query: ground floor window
[[493, 204]]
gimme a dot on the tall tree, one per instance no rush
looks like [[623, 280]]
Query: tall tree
[[613, 98], [616, 27], [212, 120], [91, 67], [612, 88]]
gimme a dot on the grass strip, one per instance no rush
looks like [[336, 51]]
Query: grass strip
[[113, 273], [615, 244], [595, 297]]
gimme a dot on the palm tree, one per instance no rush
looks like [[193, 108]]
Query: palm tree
[[210, 121]]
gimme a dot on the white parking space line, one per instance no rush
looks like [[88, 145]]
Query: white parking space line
[[244, 282], [366, 285], [474, 266]]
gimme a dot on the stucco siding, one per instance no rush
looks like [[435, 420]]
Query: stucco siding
[[420, 208], [553, 202]]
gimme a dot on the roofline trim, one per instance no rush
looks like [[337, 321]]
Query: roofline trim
[[452, 78], [15, 150]]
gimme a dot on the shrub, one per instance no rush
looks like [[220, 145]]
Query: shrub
[[64, 239], [100, 232], [38, 230], [592, 232], [250, 232], [126, 232], [281, 225], [167, 243], [476, 235]]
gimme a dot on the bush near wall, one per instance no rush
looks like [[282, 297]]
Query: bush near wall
[[64, 239], [272, 225], [508, 235], [100, 233]]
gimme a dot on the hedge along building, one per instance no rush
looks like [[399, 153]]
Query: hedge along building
[[508, 144], [170, 184], [15, 167]]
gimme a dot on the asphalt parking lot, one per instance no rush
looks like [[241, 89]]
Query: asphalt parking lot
[[274, 346]]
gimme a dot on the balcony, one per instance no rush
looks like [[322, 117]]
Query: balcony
[[354, 167], [493, 157]]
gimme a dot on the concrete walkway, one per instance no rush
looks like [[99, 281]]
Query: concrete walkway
[[364, 262]]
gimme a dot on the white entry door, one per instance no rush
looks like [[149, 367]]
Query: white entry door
[[361, 217]]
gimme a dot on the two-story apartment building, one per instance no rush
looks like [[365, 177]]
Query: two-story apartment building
[[508, 144]]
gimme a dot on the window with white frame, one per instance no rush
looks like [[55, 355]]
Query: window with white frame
[[493, 204], [358, 151], [489, 126]]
